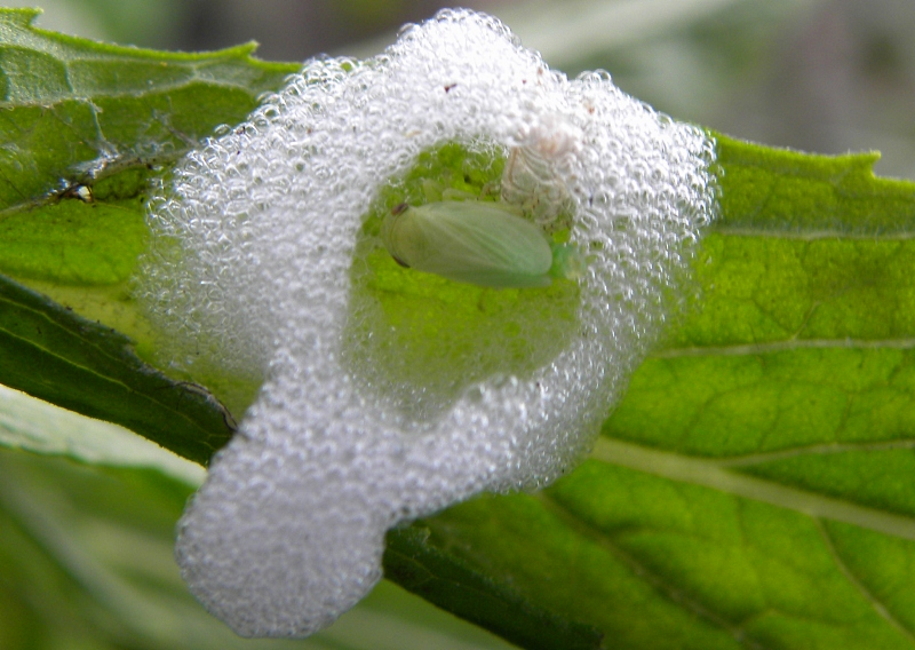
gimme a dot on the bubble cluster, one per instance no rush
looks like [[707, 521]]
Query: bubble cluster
[[251, 270]]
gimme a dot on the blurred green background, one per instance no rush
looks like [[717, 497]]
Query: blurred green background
[[85, 551]]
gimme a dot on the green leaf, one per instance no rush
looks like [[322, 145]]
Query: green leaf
[[86, 127], [445, 580], [765, 189], [754, 487], [35, 425], [51, 353], [75, 111], [752, 490]]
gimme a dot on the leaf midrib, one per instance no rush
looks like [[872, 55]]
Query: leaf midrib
[[712, 474], [778, 232], [788, 345]]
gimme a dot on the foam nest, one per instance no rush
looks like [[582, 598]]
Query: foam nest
[[258, 240]]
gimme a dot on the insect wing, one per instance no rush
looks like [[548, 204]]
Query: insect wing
[[473, 242]]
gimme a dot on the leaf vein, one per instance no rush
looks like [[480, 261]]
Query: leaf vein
[[657, 582], [879, 607], [709, 473]]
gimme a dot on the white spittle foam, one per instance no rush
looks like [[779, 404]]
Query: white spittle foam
[[253, 242]]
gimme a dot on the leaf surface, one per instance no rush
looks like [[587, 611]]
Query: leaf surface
[[86, 128], [752, 490]]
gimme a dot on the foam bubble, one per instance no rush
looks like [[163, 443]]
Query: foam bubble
[[255, 266]]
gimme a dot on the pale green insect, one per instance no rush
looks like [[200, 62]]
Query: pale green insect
[[471, 241]]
